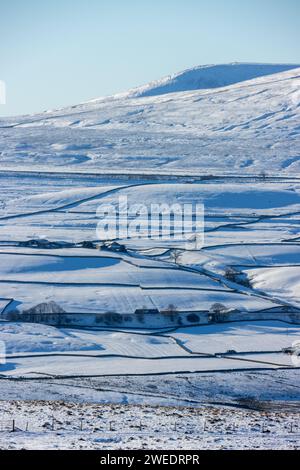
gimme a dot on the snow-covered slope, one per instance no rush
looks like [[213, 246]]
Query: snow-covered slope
[[209, 76], [250, 125]]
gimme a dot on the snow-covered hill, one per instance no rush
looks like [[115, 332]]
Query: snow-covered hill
[[209, 76], [248, 120]]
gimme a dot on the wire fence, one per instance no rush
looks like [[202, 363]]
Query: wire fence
[[8, 425], [200, 427]]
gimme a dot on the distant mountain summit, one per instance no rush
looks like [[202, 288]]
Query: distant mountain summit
[[236, 117], [209, 76]]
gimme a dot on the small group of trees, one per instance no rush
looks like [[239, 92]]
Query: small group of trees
[[237, 277], [218, 312], [231, 275]]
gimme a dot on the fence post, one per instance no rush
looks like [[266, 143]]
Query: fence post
[[13, 425]]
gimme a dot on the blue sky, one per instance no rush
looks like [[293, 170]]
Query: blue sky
[[59, 52]]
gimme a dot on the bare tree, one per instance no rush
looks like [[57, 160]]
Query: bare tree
[[263, 175], [175, 256], [171, 309], [218, 308]]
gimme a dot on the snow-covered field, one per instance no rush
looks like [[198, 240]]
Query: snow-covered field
[[223, 136], [53, 425], [34, 350], [283, 281]]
